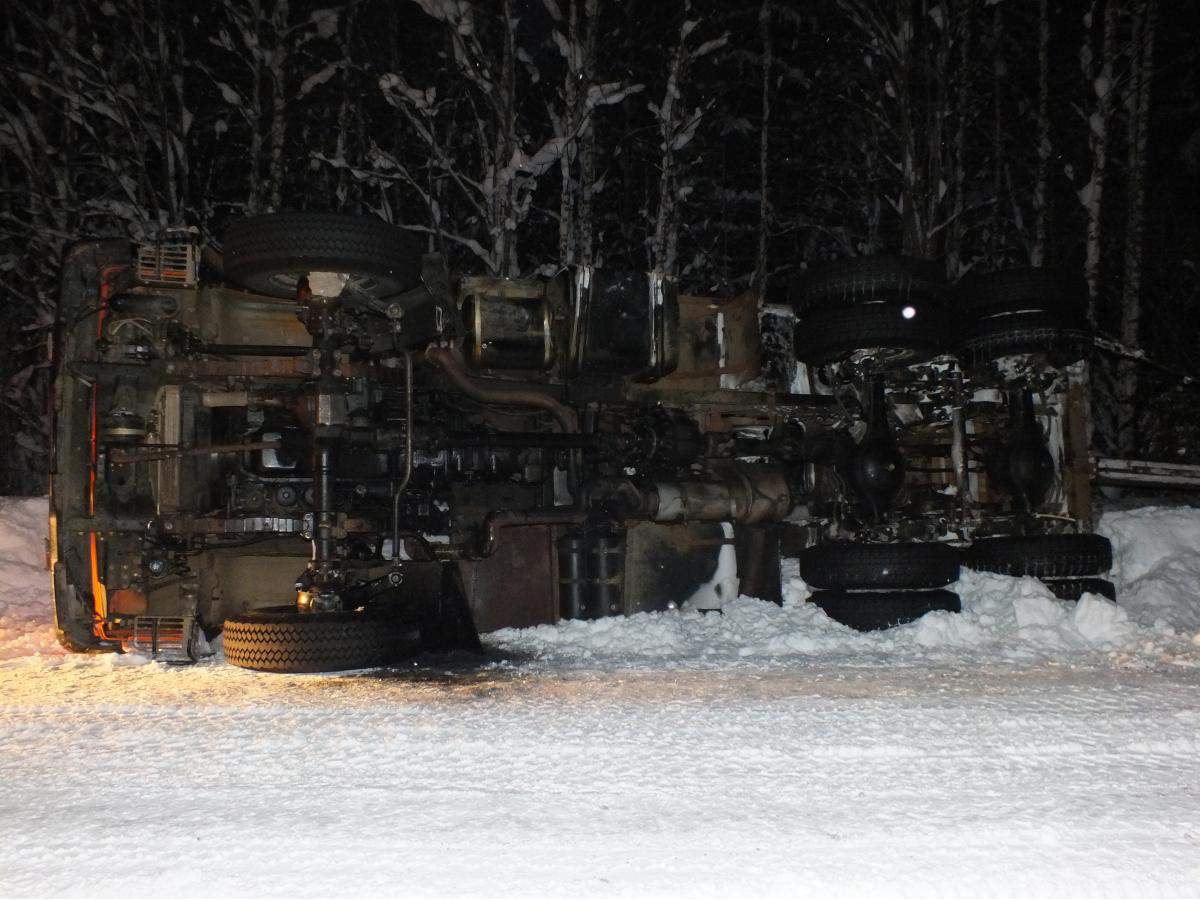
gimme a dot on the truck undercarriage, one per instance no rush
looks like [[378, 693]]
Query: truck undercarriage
[[337, 452]]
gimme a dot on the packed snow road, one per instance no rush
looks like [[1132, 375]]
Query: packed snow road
[[1025, 747]]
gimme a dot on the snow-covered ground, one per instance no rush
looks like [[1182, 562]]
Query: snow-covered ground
[[1024, 747]]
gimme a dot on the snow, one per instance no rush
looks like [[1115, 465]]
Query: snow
[[317, 78], [1004, 620], [1024, 747], [229, 94], [1157, 564], [24, 582]]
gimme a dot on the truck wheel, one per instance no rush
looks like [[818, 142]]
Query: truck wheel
[[1042, 556], [1018, 290], [893, 334], [280, 639], [269, 254], [866, 566], [863, 279], [1074, 588], [874, 610], [1062, 336]]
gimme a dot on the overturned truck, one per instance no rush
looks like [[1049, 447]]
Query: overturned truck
[[335, 451]]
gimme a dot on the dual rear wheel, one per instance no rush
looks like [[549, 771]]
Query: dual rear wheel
[[873, 586], [896, 311]]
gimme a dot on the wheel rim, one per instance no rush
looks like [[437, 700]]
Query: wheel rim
[[288, 282], [883, 357]]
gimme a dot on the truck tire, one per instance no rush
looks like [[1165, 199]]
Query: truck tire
[[1074, 588], [1061, 335], [268, 254], [831, 335], [875, 610], [845, 566], [863, 279], [1016, 290], [1042, 556], [280, 639]]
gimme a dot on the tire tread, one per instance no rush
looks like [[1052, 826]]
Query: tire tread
[[292, 642], [257, 246], [876, 610], [850, 566], [1047, 555]]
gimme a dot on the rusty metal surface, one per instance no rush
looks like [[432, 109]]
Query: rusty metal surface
[[1145, 473], [1077, 475], [517, 585], [665, 564], [177, 371], [758, 549], [716, 337]]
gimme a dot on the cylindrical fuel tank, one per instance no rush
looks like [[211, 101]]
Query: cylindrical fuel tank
[[508, 332], [572, 576], [591, 574], [606, 574]]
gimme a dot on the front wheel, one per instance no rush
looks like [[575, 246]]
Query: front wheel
[[280, 639]]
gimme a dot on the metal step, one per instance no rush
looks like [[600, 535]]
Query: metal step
[[176, 639]]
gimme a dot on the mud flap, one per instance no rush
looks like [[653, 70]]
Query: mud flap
[[757, 548], [446, 621]]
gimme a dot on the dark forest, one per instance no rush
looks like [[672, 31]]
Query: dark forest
[[728, 144]]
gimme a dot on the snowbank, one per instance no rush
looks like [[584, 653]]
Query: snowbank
[[1006, 620], [1003, 620], [25, 615], [1156, 564], [1157, 572]]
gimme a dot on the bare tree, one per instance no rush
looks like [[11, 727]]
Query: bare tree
[[909, 50], [1137, 106], [1041, 205], [260, 80], [677, 126], [1099, 69], [493, 178], [767, 61], [576, 28]]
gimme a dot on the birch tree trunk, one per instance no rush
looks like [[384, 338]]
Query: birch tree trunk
[[954, 249], [764, 147], [279, 70], [1101, 78], [587, 188], [913, 240], [995, 244], [665, 222], [1137, 101], [572, 122], [251, 28], [1041, 222]]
